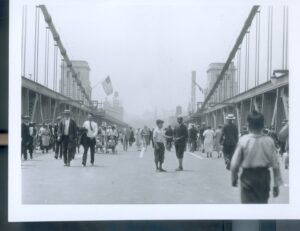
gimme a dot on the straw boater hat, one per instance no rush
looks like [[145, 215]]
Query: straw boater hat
[[67, 112], [230, 117]]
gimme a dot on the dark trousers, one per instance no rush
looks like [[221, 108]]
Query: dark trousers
[[58, 149], [66, 149], [24, 150], [180, 148], [125, 144], [228, 151], [193, 145], [89, 143], [159, 153], [255, 185]]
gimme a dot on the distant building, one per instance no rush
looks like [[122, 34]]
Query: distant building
[[114, 108], [178, 110], [227, 87], [68, 86]]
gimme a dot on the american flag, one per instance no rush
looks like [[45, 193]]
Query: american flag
[[107, 86]]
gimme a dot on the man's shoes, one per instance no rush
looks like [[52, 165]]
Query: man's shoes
[[162, 170], [157, 170], [55, 157], [68, 164], [179, 169], [83, 164], [92, 164]]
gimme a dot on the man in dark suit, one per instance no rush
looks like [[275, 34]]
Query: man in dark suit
[[180, 138], [67, 136], [25, 135], [229, 139]]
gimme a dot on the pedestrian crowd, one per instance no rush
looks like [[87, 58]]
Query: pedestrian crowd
[[249, 155]]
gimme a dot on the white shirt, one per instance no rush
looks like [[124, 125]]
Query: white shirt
[[67, 124], [92, 128], [158, 135]]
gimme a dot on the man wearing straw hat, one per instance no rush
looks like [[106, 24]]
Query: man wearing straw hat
[[229, 139], [67, 136]]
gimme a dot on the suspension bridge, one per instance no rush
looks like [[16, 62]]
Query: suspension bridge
[[44, 95], [255, 74]]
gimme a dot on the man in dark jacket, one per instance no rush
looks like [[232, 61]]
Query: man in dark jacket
[[67, 135], [24, 135], [229, 139], [180, 138], [193, 138]]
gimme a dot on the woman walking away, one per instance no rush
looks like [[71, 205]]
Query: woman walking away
[[208, 141], [255, 154], [217, 137]]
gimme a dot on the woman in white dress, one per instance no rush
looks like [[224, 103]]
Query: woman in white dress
[[208, 141]]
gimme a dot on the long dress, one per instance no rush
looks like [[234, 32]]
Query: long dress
[[218, 146], [138, 140], [208, 140], [45, 133]]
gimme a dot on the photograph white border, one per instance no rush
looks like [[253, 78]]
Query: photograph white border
[[20, 212]]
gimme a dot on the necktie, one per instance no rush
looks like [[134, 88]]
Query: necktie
[[91, 126]]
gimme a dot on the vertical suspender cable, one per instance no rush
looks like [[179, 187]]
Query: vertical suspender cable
[[47, 76], [22, 42], [45, 66], [283, 39], [62, 78], [246, 56], [271, 38], [286, 40], [258, 47], [256, 50], [248, 60], [37, 50], [239, 70], [25, 41], [268, 56], [35, 41]]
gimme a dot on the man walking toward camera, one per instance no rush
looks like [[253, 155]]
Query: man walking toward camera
[[67, 136], [91, 129]]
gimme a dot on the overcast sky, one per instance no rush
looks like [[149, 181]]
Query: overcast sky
[[149, 51]]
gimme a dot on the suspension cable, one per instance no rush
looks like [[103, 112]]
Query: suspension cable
[[38, 36], [283, 39], [287, 41], [271, 42], [35, 38], [258, 48], [268, 56]]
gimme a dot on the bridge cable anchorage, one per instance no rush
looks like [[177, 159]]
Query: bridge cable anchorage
[[232, 54]]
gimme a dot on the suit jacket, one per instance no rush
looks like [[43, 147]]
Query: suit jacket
[[230, 135], [72, 129], [25, 133]]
